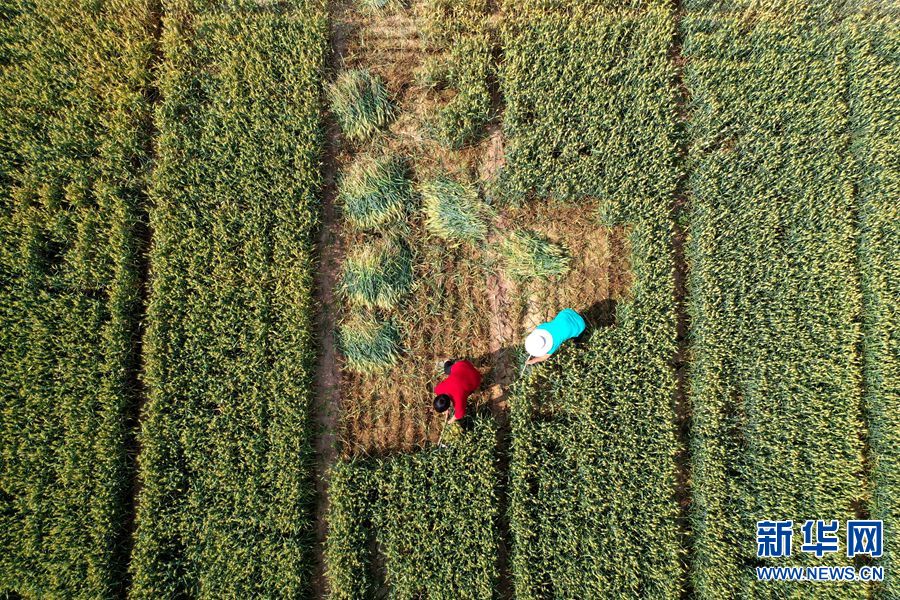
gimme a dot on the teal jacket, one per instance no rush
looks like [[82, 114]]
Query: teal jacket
[[564, 326]]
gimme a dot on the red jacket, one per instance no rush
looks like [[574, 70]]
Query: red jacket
[[464, 379]]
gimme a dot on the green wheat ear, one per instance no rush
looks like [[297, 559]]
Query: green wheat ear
[[377, 275], [396, 496], [360, 104], [370, 346], [375, 192], [453, 211], [526, 255]]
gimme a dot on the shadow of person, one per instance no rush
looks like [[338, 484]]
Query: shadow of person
[[600, 314]]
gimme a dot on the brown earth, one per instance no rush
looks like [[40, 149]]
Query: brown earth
[[461, 305], [445, 316]]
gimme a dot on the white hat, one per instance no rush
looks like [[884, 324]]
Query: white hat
[[538, 342]]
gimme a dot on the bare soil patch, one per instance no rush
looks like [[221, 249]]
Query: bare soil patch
[[446, 315], [462, 306]]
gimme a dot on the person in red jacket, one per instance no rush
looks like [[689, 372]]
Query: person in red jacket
[[462, 379]]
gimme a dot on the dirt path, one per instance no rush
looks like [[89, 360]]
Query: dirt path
[[503, 339], [503, 319], [327, 403]]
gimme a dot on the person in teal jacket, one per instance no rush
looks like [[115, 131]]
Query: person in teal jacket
[[548, 337]]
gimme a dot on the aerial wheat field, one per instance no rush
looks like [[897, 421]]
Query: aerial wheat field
[[450, 299]]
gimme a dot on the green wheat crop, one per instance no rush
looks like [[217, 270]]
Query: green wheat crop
[[375, 192], [360, 104], [462, 120], [370, 345], [874, 87], [457, 31], [377, 275], [592, 441], [224, 509], [423, 513], [773, 286], [526, 255], [453, 210], [74, 123]]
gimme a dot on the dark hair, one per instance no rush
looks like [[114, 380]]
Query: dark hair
[[448, 364], [441, 402]]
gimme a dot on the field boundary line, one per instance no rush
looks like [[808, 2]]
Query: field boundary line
[[862, 509], [327, 405], [680, 360], [143, 239]]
